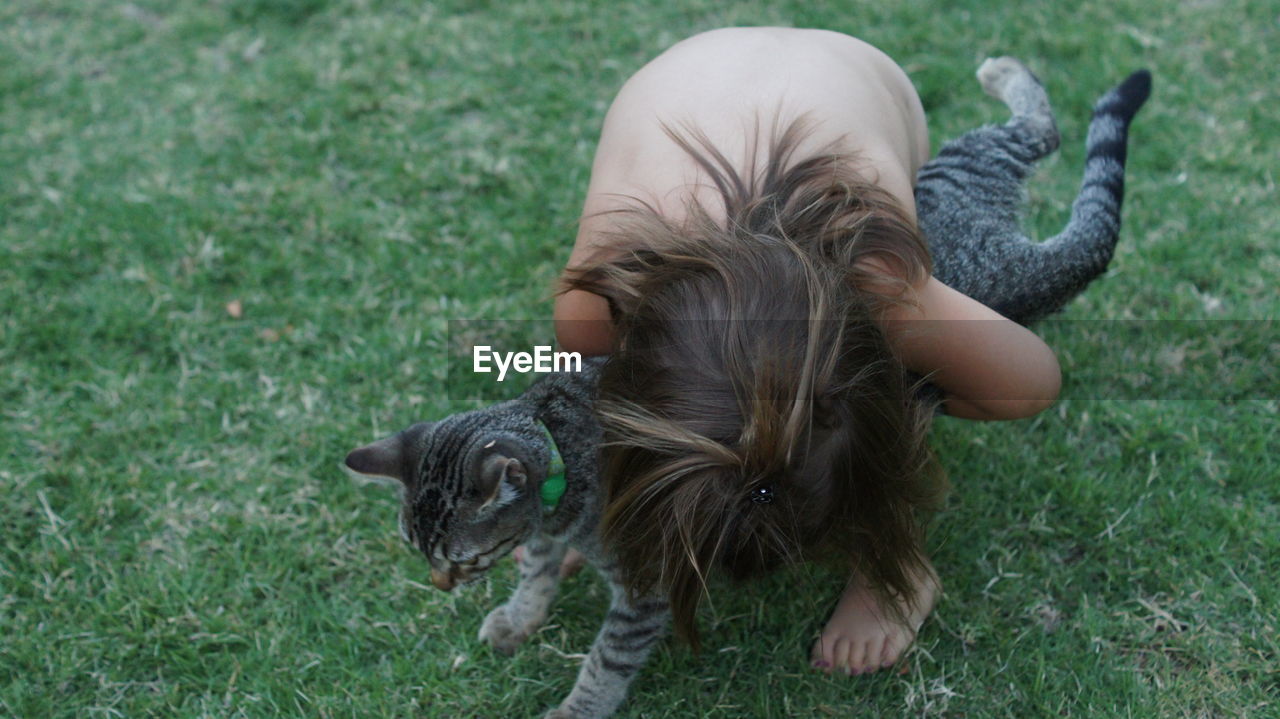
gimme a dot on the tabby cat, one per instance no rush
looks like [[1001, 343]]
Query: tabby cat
[[525, 472]]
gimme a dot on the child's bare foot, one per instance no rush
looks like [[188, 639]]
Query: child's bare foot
[[861, 636], [569, 566]]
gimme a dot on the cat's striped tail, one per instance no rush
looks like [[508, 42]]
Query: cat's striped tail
[[1083, 249]]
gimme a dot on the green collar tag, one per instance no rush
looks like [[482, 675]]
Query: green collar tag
[[553, 485]]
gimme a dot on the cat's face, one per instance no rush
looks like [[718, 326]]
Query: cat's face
[[465, 499]]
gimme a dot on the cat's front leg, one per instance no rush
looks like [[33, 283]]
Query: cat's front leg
[[630, 630], [510, 624]]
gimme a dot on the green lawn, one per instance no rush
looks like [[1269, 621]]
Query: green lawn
[[179, 540]]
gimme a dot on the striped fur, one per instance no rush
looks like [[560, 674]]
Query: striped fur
[[967, 198]]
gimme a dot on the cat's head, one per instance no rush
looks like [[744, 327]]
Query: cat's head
[[469, 498]]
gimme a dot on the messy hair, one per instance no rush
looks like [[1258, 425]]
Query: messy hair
[[754, 415]]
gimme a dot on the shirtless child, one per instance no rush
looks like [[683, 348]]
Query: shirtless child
[[724, 491]]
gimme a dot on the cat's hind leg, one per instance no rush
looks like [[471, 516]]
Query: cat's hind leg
[[968, 196], [1047, 275], [1008, 80], [510, 624], [967, 199]]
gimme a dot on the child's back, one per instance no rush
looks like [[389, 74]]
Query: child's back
[[721, 82]]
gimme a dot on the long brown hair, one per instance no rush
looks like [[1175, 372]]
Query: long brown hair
[[754, 414]]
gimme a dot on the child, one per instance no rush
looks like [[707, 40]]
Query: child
[[748, 254]]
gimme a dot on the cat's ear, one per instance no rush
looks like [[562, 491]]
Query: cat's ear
[[387, 457], [501, 479], [384, 458]]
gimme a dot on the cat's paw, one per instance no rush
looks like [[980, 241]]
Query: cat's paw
[[499, 632], [560, 713], [997, 73]]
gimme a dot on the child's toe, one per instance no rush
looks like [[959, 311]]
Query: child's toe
[[893, 648], [840, 654], [858, 657], [820, 655], [875, 650]]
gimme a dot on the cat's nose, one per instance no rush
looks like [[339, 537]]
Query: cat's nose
[[442, 580]]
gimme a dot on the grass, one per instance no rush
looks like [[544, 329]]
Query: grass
[[179, 541]]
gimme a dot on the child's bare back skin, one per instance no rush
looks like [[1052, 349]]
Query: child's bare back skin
[[721, 83]]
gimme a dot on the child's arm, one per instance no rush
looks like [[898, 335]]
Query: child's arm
[[989, 367]]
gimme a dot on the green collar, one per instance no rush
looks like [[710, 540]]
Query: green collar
[[553, 485]]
